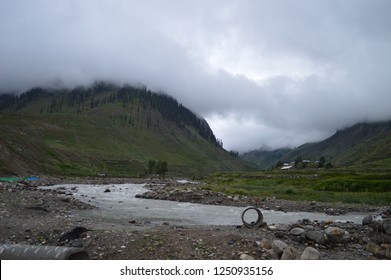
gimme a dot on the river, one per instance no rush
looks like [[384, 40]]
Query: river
[[121, 205]]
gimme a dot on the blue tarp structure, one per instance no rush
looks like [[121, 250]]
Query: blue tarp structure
[[32, 179]]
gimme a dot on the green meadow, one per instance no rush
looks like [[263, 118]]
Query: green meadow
[[321, 185]]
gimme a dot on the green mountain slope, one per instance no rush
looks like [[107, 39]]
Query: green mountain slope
[[106, 129], [366, 145]]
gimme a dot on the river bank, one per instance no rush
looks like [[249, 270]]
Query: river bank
[[32, 216]]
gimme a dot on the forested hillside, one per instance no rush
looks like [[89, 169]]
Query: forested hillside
[[81, 100], [106, 129]]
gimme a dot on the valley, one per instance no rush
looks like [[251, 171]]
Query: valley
[[112, 137]]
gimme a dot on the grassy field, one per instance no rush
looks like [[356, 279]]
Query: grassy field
[[309, 185]]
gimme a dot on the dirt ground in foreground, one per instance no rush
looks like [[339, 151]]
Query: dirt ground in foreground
[[32, 216]]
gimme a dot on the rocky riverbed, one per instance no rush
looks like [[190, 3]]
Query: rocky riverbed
[[40, 217], [196, 193]]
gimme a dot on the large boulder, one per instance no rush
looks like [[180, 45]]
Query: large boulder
[[367, 220], [337, 235], [317, 236], [279, 247]]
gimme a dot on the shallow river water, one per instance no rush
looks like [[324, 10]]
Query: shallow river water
[[120, 204]]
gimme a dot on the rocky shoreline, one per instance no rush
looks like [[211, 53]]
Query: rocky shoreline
[[32, 216], [195, 192]]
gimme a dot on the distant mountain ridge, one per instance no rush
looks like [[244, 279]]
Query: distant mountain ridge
[[265, 158], [106, 129], [364, 145]]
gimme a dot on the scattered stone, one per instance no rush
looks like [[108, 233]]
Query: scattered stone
[[380, 237], [289, 253], [328, 222], [66, 199], [266, 244], [279, 234], [299, 239], [388, 252], [297, 231], [107, 190], [279, 246], [337, 235], [270, 254], [76, 243], [376, 250], [387, 226], [317, 236], [332, 211], [246, 257], [75, 233], [272, 227], [367, 220], [310, 253], [387, 212], [377, 225]]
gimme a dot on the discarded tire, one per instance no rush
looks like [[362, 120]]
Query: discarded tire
[[32, 252], [253, 224]]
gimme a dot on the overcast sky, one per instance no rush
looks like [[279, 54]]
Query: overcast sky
[[262, 73]]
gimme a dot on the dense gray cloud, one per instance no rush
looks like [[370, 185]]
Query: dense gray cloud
[[275, 73]]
